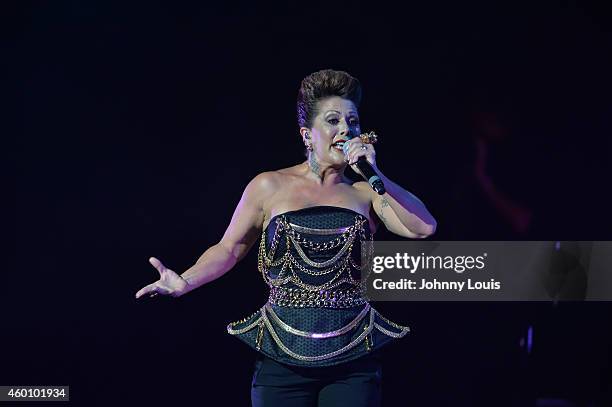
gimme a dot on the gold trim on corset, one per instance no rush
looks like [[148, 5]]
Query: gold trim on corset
[[312, 231], [339, 263], [317, 358], [336, 288], [366, 335], [404, 331], [318, 335], [347, 246], [298, 298], [231, 330]]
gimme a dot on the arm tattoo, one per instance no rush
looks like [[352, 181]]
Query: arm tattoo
[[314, 165], [383, 204]]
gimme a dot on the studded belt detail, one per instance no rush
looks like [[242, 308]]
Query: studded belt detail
[[299, 298]]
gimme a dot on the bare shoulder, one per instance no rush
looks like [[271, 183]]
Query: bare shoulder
[[267, 183], [264, 182]]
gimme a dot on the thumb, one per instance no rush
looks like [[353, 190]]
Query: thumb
[[157, 264]]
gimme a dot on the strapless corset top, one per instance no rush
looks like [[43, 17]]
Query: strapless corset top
[[309, 253], [316, 313]]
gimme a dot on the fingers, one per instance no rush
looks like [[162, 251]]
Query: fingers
[[358, 149], [154, 289], [150, 290], [157, 264]]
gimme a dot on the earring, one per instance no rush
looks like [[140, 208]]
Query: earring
[[308, 145]]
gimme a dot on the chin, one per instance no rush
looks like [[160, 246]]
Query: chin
[[338, 163], [337, 157]]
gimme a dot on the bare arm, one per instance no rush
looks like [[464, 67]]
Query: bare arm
[[402, 212], [242, 232]]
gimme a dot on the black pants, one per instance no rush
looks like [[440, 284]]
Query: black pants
[[356, 383]]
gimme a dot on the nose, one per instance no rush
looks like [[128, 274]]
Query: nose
[[345, 131]]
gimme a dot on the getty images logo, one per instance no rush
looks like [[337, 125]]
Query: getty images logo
[[410, 263]]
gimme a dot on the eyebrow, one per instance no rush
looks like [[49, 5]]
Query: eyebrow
[[335, 111]]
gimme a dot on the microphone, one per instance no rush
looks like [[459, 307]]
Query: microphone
[[368, 172]]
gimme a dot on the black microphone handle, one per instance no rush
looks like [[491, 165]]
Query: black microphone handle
[[370, 175]]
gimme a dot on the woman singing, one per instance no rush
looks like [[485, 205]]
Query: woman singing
[[317, 335]]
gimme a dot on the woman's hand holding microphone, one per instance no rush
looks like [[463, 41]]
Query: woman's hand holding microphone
[[169, 283], [360, 155], [356, 148]]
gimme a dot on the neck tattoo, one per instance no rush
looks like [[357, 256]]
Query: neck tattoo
[[314, 165]]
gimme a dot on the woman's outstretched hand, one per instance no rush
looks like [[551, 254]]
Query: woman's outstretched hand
[[169, 282]]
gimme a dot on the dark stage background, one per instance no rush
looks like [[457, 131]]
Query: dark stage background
[[127, 109]]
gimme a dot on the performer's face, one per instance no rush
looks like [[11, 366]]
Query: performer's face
[[337, 120]]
